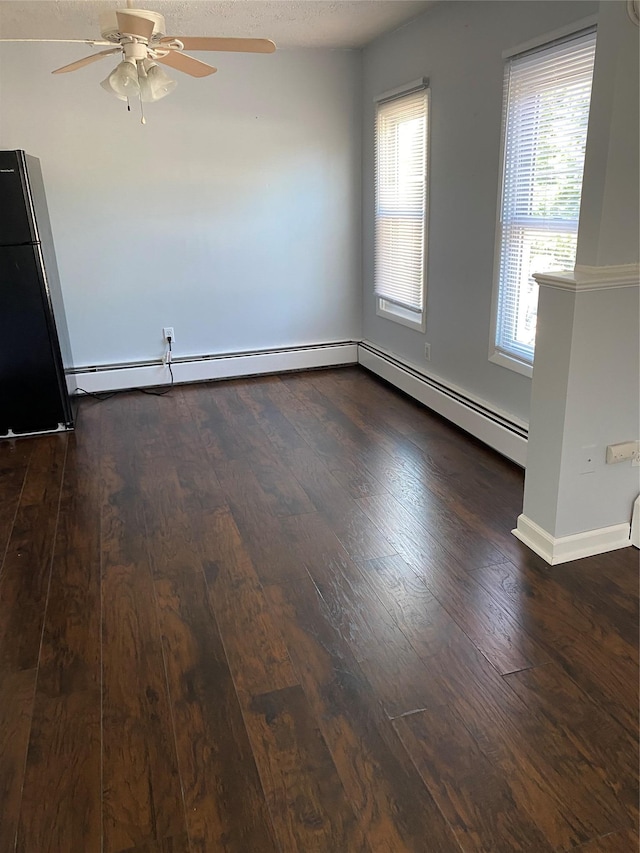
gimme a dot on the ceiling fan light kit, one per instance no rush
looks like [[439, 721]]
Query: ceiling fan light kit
[[154, 82], [140, 36], [123, 80]]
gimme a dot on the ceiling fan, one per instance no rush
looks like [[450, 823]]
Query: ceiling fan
[[140, 37]]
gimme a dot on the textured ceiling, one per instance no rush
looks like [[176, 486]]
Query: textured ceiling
[[290, 23]]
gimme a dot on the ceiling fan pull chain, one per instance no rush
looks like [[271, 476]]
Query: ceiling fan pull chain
[[142, 118]]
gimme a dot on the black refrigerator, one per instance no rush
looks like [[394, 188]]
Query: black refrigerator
[[36, 382]]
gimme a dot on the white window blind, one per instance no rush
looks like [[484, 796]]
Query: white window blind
[[547, 97], [400, 200]]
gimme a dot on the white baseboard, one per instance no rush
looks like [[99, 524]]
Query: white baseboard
[[635, 523], [562, 549], [118, 377], [477, 417]]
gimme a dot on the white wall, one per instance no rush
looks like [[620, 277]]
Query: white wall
[[610, 214], [603, 407], [233, 215], [458, 46], [585, 395]]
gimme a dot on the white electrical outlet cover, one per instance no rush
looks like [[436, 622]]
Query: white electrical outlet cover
[[622, 452]]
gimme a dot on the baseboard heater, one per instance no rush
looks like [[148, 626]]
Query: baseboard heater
[[494, 428], [202, 368]]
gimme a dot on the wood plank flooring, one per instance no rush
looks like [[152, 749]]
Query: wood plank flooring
[[287, 614]]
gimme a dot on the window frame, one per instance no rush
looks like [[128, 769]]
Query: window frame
[[511, 361], [384, 307]]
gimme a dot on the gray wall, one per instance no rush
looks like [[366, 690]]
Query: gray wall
[[585, 395], [233, 215], [603, 407], [458, 46], [609, 219]]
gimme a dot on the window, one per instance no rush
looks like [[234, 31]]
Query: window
[[401, 204], [546, 111]]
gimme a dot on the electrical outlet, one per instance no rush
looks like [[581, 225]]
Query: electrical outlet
[[167, 332], [427, 352]]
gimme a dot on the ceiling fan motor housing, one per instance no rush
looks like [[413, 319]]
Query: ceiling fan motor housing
[[111, 31]]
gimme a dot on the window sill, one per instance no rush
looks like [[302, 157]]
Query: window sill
[[512, 363], [400, 315]]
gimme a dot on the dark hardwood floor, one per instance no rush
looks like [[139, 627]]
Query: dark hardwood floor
[[287, 614]]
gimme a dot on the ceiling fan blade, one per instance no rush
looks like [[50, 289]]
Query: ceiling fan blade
[[182, 62], [65, 41], [80, 63], [132, 25], [215, 44]]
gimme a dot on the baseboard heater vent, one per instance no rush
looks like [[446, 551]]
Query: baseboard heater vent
[[196, 359], [202, 368], [485, 423]]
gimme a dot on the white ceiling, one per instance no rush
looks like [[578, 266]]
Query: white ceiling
[[290, 23]]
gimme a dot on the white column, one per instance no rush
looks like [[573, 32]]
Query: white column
[[586, 385], [585, 396]]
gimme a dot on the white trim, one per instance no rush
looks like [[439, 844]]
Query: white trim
[[635, 523], [555, 35], [562, 549], [510, 362], [501, 431], [389, 313], [497, 241], [586, 278], [399, 91], [202, 368], [59, 428], [399, 314]]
